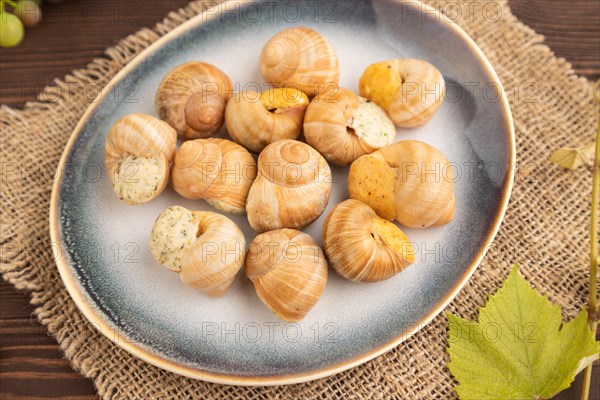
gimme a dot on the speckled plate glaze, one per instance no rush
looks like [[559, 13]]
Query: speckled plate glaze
[[104, 257]]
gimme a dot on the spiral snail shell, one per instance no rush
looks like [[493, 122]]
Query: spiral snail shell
[[138, 152], [192, 99], [410, 90], [291, 189], [206, 248], [300, 58], [343, 126], [363, 247], [257, 120], [289, 272], [217, 170], [409, 181]]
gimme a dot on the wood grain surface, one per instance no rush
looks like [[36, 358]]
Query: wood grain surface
[[70, 36]]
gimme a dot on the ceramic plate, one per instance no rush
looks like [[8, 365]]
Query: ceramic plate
[[105, 260]]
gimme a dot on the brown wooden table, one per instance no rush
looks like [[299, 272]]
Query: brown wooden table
[[74, 32]]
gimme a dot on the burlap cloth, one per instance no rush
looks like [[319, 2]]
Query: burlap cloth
[[545, 229]]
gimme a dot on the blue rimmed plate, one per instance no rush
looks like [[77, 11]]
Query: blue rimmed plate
[[105, 261]]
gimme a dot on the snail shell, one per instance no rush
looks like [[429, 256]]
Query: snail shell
[[138, 152], [343, 126], [206, 248], [217, 170], [289, 272], [410, 90], [363, 247], [409, 181], [192, 99], [291, 189], [300, 58], [257, 120]]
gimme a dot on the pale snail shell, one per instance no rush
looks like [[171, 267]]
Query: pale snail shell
[[300, 58], [343, 126], [363, 247], [206, 248], [192, 99], [410, 90], [288, 270], [291, 189], [409, 181], [138, 153], [216, 170], [257, 120]]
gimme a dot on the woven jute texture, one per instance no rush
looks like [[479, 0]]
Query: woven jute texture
[[545, 229]]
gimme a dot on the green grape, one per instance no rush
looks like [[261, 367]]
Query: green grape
[[28, 12], [11, 30]]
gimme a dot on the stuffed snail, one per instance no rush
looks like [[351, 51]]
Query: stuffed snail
[[300, 58], [257, 120], [291, 189], [216, 170], [410, 90], [138, 154], [363, 247], [192, 99], [206, 249], [409, 181], [344, 126], [288, 270]]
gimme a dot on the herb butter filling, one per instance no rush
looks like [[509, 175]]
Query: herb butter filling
[[372, 124], [138, 179], [175, 229]]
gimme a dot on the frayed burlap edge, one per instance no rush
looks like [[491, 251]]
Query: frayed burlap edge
[[545, 228]]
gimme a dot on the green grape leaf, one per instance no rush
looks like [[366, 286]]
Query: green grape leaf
[[519, 349]]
